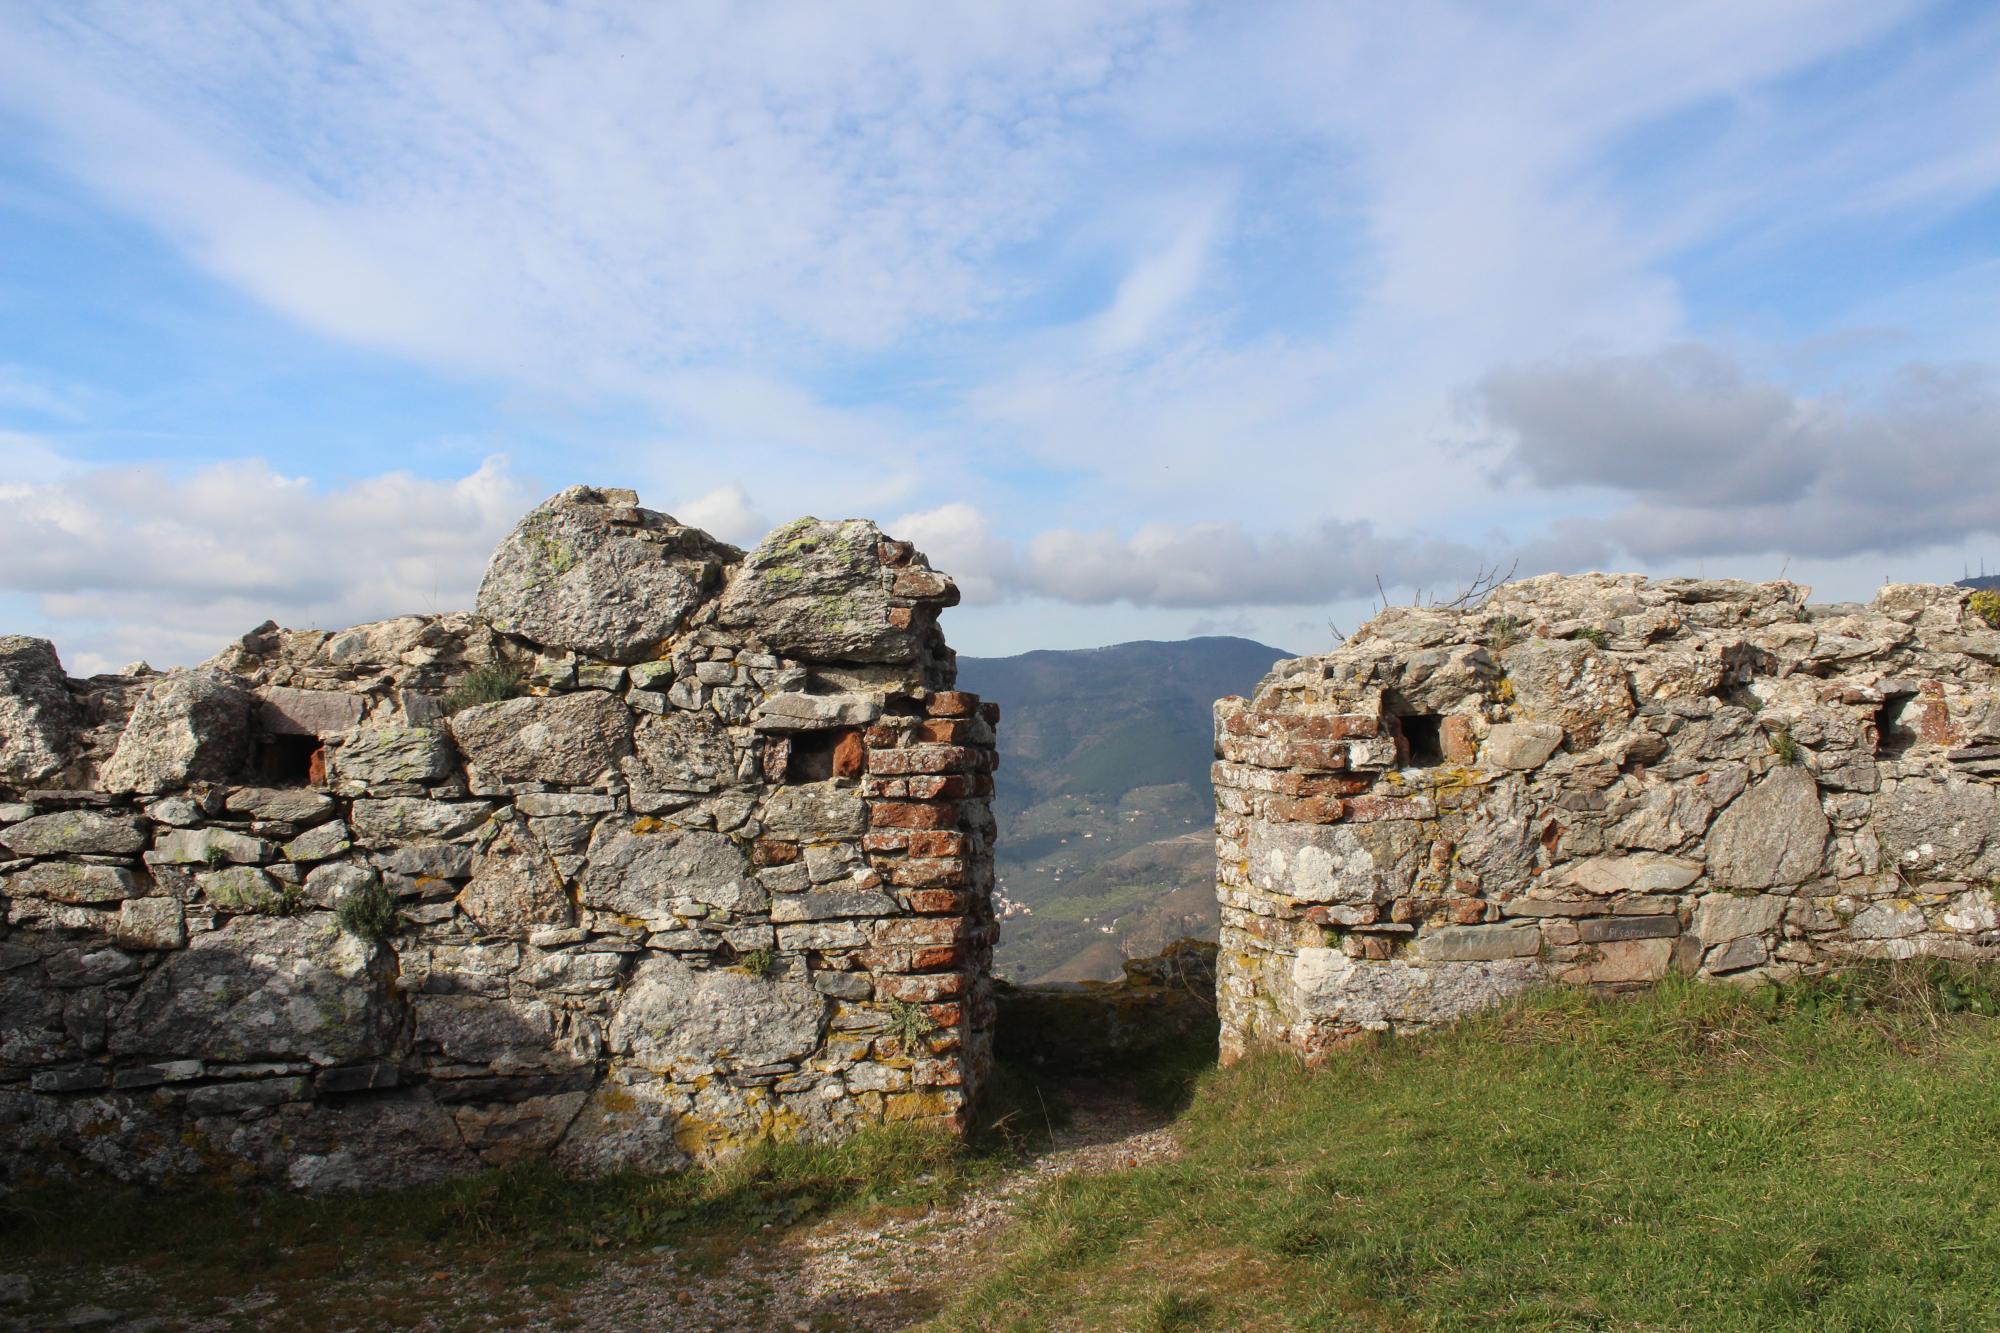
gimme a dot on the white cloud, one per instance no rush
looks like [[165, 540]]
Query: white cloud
[[959, 540], [138, 562], [726, 512]]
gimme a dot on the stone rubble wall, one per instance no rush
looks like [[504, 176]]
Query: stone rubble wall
[[1600, 780], [721, 872]]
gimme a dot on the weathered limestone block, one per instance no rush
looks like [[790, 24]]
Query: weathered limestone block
[[39, 720], [259, 988], [508, 1034], [566, 740], [681, 752], [319, 844], [394, 754], [1892, 920], [814, 712], [71, 882], [286, 805], [818, 591], [1333, 863], [1771, 836], [241, 889], [640, 874], [1929, 824], [1343, 992], [389, 820], [151, 923], [189, 727], [1622, 962], [208, 846], [515, 888], [831, 904], [68, 832], [628, 1125], [517, 1131], [589, 572], [1522, 746], [287, 711], [1725, 916], [1641, 872], [1477, 944], [676, 1020], [1571, 683], [815, 810]]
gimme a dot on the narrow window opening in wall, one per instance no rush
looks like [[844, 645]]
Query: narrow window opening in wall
[[282, 760], [1421, 736], [1895, 730], [811, 759]]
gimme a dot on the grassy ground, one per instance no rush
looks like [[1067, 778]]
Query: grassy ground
[[1826, 1157]]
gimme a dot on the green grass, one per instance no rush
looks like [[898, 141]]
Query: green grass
[[488, 684], [1822, 1157]]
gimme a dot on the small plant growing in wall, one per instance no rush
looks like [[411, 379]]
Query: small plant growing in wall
[[1595, 636], [757, 962], [369, 913], [1784, 746], [1985, 604], [486, 685], [1507, 631], [214, 857], [910, 1023]]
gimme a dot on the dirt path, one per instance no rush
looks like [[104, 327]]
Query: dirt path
[[840, 1275]]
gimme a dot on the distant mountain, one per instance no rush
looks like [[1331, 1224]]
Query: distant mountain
[[1104, 801], [1981, 581]]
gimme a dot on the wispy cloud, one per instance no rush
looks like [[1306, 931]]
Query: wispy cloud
[[1136, 302]]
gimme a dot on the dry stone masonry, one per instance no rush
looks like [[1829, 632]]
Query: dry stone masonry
[[1601, 780], [665, 850]]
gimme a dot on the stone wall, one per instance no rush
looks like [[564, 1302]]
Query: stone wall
[[665, 850], [1600, 780]]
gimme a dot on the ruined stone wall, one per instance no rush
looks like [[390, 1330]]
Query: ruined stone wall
[[1599, 780], [667, 849]]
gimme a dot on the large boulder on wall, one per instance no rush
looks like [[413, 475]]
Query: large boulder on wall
[[38, 718], [836, 592], [590, 572], [191, 726]]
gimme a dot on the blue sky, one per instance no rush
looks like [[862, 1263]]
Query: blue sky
[[1143, 319]]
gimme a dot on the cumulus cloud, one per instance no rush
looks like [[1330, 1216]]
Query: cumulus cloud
[[1196, 566], [1710, 460], [960, 540], [726, 512], [138, 562]]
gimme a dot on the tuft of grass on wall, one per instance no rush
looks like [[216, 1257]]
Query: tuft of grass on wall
[[487, 684]]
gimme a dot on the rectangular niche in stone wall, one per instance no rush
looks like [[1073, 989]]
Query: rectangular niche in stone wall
[[1422, 739]]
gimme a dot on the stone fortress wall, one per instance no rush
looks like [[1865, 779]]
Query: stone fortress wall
[[1601, 780], [312, 913]]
